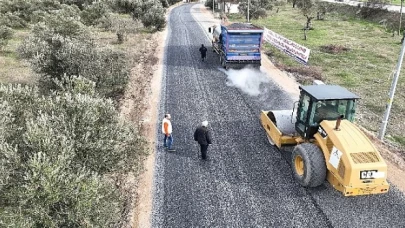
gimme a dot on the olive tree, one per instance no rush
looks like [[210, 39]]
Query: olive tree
[[6, 33], [26, 11], [92, 14], [150, 12], [58, 153], [257, 8], [309, 9], [53, 54]]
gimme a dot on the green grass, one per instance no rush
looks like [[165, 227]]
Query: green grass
[[399, 139], [366, 68], [390, 2]]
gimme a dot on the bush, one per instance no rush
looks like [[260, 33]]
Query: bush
[[65, 22], [93, 14], [121, 26], [102, 142], [27, 10], [53, 56], [122, 6], [62, 45], [11, 20], [6, 33], [56, 152], [151, 13], [154, 17], [257, 8], [52, 196], [21, 12], [20, 8], [106, 22], [79, 3], [165, 3], [172, 2]]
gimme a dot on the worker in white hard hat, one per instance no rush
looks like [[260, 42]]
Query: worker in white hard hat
[[203, 136]]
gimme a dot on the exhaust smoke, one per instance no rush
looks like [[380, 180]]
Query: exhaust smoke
[[248, 80]]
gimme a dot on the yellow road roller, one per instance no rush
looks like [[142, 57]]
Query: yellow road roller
[[326, 143]]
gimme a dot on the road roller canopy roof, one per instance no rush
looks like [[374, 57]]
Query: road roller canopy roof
[[328, 92]]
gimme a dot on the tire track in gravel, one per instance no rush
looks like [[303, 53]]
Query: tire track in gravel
[[246, 183]]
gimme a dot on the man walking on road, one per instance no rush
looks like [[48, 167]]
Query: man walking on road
[[203, 51], [167, 131], [203, 136]]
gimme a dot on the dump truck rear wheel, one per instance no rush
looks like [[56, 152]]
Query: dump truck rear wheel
[[308, 164]]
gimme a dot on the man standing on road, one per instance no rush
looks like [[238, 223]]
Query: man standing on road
[[203, 51], [203, 136], [167, 131]]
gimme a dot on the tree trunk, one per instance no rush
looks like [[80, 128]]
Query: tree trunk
[[308, 22], [305, 34]]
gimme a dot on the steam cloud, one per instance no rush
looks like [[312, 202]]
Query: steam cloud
[[247, 80]]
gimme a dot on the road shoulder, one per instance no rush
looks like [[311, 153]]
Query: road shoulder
[[143, 209]]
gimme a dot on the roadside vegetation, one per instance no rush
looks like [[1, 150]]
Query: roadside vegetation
[[66, 152], [357, 48]]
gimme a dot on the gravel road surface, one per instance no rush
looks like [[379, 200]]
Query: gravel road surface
[[246, 182]]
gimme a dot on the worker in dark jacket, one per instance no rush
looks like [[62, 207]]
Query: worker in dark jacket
[[203, 51], [203, 136]]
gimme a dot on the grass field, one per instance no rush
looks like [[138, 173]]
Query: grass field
[[366, 68]]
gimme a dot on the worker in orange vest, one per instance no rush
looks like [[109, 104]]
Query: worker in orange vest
[[167, 131]]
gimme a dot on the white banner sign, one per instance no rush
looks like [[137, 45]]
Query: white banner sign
[[299, 52]]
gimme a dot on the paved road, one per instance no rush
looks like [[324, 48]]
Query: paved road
[[245, 182]]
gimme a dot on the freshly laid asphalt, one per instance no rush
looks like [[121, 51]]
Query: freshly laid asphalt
[[246, 182]]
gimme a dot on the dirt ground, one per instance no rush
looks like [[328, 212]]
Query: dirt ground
[[143, 209]]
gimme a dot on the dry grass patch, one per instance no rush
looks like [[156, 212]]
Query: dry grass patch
[[334, 49], [13, 69], [302, 74]]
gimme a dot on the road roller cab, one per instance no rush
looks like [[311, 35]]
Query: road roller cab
[[327, 143]]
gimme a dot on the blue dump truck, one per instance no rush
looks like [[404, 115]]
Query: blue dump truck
[[237, 44]]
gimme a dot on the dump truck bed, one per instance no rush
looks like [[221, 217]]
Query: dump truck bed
[[238, 44], [242, 42]]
